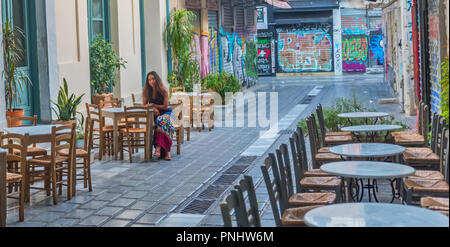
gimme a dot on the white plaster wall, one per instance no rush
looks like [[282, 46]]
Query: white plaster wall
[[125, 36], [155, 47], [73, 47], [2, 85]]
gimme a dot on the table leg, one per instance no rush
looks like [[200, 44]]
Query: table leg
[[2, 189], [348, 190], [115, 136]]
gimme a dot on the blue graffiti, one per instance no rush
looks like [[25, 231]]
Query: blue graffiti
[[376, 47]]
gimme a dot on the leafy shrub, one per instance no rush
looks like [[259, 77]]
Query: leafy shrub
[[222, 83], [444, 93]]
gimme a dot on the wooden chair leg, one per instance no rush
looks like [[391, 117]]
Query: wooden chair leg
[[188, 133], [101, 144], [178, 141], [22, 200], [85, 175], [53, 182], [130, 146], [88, 167]]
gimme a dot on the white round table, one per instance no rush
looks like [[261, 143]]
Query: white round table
[[367, 150], [374, 215], [372, 130], [364, 115], [368, 170]]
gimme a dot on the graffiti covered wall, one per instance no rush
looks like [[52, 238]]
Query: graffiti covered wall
[[354, 53], [307, 49], [264, 56], [434, 36], [213, 55], [376, 53]]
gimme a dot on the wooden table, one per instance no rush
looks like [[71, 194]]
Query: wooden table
[[3, 187], [118, 113], [42, 134]]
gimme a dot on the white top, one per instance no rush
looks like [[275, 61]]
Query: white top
[[367, 169], [374, 215], [37, 130], [367, 150], [363, 115], [372, 128]]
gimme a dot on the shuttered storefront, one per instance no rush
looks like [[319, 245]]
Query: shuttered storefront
[[227, 14], [213, 21], [355, 43]]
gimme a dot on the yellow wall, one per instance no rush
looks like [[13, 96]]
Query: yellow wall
[[73, 46], [125, 37]]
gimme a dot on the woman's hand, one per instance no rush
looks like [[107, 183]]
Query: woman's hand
[[155, 111]]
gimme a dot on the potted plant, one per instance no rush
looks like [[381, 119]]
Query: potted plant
[[15, 79], [104, 64], [66, 106]]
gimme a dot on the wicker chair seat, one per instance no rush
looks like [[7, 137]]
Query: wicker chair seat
[[439, 203], [320, 182], [339, 133], [134, 130], [46, 160], [400, 133], [409, 139], [295, 216], [426, 185], [12, 158], [324, 150], [13, 177], [106, 128], [78, 152], [32, 151], [429, 175], [316, 173], [338, 139], [414, 155], [311, 199], [327, 157]]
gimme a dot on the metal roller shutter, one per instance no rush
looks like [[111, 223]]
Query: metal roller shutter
[[213, 21], [227, 14]]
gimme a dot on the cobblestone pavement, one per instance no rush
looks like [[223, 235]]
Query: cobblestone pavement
[[186, 190]]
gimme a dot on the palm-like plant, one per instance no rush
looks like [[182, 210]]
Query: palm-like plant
[[66, 107], [13, 51]]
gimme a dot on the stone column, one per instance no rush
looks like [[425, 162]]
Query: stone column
[[407, 66]]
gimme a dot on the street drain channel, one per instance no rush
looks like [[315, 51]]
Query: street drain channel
[[286, 132], [214, 191], [307, 100]]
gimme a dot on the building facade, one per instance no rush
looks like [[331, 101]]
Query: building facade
[[58, 36]]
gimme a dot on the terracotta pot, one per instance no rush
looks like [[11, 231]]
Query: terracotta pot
[[13, 114], [96, 98]]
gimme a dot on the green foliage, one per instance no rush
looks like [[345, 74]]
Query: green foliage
[[66, 106], [180, 39], [344, 105], [251, 59], [444, 91], [13, 51], [104, 64], [222, 83]]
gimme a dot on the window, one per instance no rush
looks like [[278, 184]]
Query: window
[[98, 18]]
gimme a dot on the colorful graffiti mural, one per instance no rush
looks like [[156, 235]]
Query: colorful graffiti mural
[[354, 53], [233, 55], [213, 53], [376, 48], [305, 51], [353, 25], [264, 56]]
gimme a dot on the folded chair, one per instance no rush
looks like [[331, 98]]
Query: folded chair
[[16, 176], [429, 187], [297, 199], [284, 214]]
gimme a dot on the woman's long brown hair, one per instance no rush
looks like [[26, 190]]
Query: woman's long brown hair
[[159, 86]]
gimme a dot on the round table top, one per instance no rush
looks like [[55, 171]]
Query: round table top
[[367, 150], [374, 215], [34, 130], [367, 169], [363, 115], [371, 128]]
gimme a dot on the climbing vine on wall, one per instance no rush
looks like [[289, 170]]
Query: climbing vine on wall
[[444, 93]]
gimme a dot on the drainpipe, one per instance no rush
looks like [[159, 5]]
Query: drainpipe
[[416, 55], [169, 52]]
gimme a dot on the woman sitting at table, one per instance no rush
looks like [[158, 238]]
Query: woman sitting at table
[[156, 95]]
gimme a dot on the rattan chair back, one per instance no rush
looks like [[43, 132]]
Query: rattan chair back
[[228, 206]]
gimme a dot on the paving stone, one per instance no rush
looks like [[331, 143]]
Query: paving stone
[[141, 225], [81, 199], [181, 220], [150, 218], [64, 207], [122, 202], [135, 194], [63, 222], [94, 204], [143, 205], [30, 224], [129, 214], [162, 208], [79, 213], [48, 217], [174, 200], [108, 196], [94, 220], [116, 223], [109, 211], [153, 197]]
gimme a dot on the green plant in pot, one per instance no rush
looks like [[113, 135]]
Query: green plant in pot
[[180, 39], [222, 83], [66, 107], [104, 65], [15, 79]]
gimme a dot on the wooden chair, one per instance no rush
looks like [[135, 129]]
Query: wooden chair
[[178, 125], [419, 123], [83, 154], [203, 111], [55, 165], [424, 156], [228, 206], [438, 204], [429, 187], [297, 199], [249, 214], [130, 136], [323, 130], [319, 155], [16, 176], [135, 100], [101, 131], [284, 214], [177, 89], [419, 138], [32, 151]]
